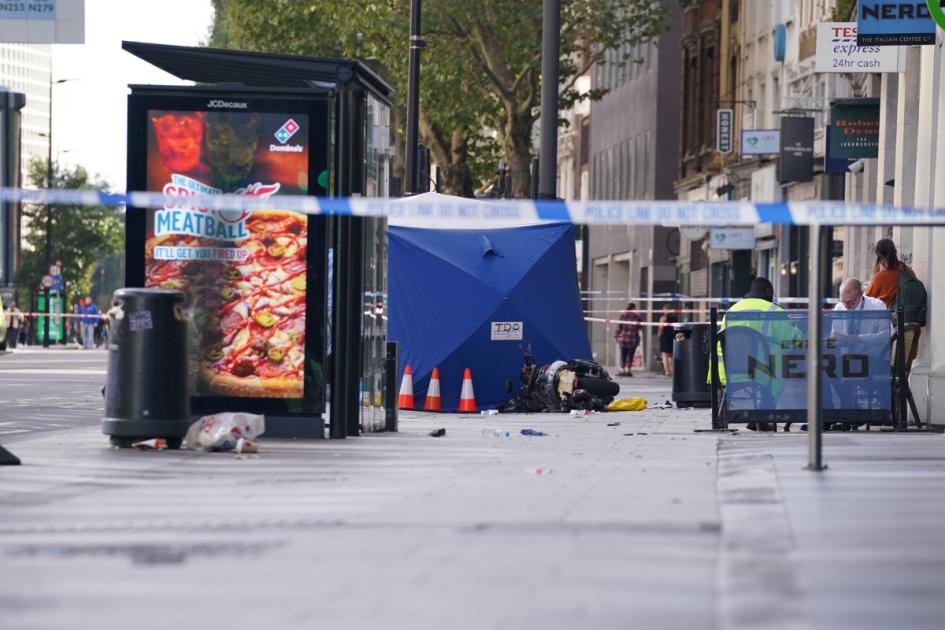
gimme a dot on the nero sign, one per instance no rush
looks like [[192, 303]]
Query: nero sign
[[902, 23]]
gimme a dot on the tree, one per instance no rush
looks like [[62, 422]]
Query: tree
[[481, 73], [81, 235]]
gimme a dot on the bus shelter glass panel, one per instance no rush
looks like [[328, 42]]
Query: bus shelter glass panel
[[374, 321], [764, 366]]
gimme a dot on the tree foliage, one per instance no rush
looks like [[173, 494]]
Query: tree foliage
[[81, 235], [481, 70]]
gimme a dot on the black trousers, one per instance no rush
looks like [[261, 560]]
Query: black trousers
[[626, 356]]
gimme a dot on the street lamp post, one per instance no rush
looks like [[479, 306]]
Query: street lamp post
[[49, 182], [550, 52], [413, 99], [48, 219]]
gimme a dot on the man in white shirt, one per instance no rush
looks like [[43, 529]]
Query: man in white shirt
[[866, 331]]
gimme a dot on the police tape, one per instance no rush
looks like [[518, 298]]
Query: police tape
[[460, 212]]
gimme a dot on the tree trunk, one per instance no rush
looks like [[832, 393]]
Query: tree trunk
[[449, 154], [517, 146]]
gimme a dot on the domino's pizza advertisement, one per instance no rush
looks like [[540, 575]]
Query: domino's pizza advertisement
[[244, 272]]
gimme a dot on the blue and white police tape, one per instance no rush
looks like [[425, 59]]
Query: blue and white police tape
[[442, 210]]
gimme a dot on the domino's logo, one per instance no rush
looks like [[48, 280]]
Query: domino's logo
[[286, 131]]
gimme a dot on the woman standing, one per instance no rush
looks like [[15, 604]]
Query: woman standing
[[628, 338], [884, 284], [666, 337]]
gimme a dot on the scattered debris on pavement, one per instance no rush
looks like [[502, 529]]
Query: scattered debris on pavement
[[627, 404], [228, 431], [489, 412], [487, 432], [533, 433], [438, 432], [613, 424], [539, 470], [155, 444]]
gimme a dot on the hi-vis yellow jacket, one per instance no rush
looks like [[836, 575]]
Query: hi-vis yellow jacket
[[774, 330]]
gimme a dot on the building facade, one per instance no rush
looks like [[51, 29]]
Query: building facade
[[27, 68], [632, 153]]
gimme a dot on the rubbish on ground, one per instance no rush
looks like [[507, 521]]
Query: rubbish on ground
[[539, 470], [224, 431], [577, 413], [532, 432], [666, 405], [496, 433], [438, 432], [627, 404], [638, 433], [155, 444], [489, 412], [561, 386], [613, 424], [245, 446]]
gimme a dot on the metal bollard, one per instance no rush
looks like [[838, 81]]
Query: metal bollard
[[390, 387]]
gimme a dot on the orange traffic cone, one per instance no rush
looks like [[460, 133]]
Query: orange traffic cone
[[467, 400], [433, 402], [405, 399]]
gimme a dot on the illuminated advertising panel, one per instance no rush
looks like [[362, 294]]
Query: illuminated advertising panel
[[245, 273]]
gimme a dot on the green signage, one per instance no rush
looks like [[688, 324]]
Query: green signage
[[855, 129]]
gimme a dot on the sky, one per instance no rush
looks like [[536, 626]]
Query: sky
[[90, 108]]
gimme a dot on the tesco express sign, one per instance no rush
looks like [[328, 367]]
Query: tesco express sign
[[837, 51]]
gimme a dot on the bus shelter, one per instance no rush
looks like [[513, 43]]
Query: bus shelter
[[301, 288]]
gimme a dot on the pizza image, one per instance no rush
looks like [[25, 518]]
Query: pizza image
[[246, 300]]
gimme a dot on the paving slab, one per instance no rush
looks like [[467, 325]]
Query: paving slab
[[646, 524]]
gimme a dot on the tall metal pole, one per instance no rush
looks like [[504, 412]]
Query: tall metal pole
[[550, 52], [413, 99], [48, 219], [815, 319]]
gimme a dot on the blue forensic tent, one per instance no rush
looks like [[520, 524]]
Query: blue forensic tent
[[448, 288]]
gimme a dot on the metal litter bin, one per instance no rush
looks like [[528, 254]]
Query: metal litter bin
[[147, 394], [691, 365]]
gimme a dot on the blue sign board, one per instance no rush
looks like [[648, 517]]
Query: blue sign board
[[894, 23], [765, 363]]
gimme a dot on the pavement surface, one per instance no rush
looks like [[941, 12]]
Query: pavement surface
[[641, 524]]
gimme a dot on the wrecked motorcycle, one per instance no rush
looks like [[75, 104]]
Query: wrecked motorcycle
[[560, 386]]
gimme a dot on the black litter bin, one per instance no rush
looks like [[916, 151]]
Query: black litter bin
[[691, 365], [147, 395]]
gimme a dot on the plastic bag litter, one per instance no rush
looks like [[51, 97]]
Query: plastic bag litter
[[627, 404], [226, 432]]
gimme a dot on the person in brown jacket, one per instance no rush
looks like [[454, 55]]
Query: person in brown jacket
[[884, 283]]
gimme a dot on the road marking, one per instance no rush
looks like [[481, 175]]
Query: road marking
[[60, 371]]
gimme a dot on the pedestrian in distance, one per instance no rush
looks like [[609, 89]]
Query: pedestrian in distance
[[628, 338], [666, 337], [88, 317], [15, 317]]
